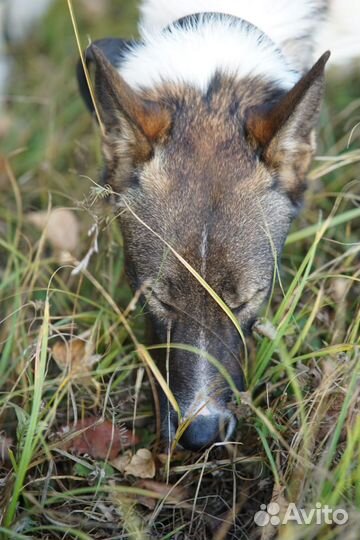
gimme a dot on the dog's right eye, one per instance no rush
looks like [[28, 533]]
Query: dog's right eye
[[258, 295], [165, 305], [240, 307]]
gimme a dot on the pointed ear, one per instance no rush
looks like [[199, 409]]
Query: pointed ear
[[298, 108], [132, 125], [114, 49], [118, 100], [284, 131]]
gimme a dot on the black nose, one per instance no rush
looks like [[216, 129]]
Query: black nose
[[204, 431]]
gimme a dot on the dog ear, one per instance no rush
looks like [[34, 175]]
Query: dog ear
[[118, 100], [296, 111], [113, 49], [284, 131], [132, 124]]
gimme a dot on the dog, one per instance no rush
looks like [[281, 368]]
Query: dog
[[209, 131]]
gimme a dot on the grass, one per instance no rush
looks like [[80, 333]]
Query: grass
[[299, 429]]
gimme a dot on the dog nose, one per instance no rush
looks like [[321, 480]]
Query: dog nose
[[206, 430]]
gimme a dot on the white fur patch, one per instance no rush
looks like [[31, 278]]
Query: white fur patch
[[204, 250], [285, 21], [193, 54], [281, 20]]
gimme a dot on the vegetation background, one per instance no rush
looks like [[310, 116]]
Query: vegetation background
[[79, 448]]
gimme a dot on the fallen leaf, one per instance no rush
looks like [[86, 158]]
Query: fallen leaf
[[175, 493], [148, 502], [60, 226], [121, 462], [77, 358], [142, 464], [172, 494], [99, 439], [176, 455]]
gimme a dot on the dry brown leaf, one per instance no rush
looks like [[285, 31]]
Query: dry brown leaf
[[77, 358], [99, 438], [61, 228], [176, 455], [121, 462], [142, 464], [148, 502], [173, 494]]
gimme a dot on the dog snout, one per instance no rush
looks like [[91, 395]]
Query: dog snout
[[203, 431]]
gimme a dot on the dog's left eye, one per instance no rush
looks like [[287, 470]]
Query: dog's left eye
[[256, 296], [240, 307], [165, 305]]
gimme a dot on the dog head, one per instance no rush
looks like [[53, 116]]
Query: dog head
[[213, 179]]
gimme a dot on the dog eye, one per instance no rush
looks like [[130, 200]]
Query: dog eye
[[240, 307], [165, 305]]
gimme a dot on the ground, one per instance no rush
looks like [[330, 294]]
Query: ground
[[71, 345]]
